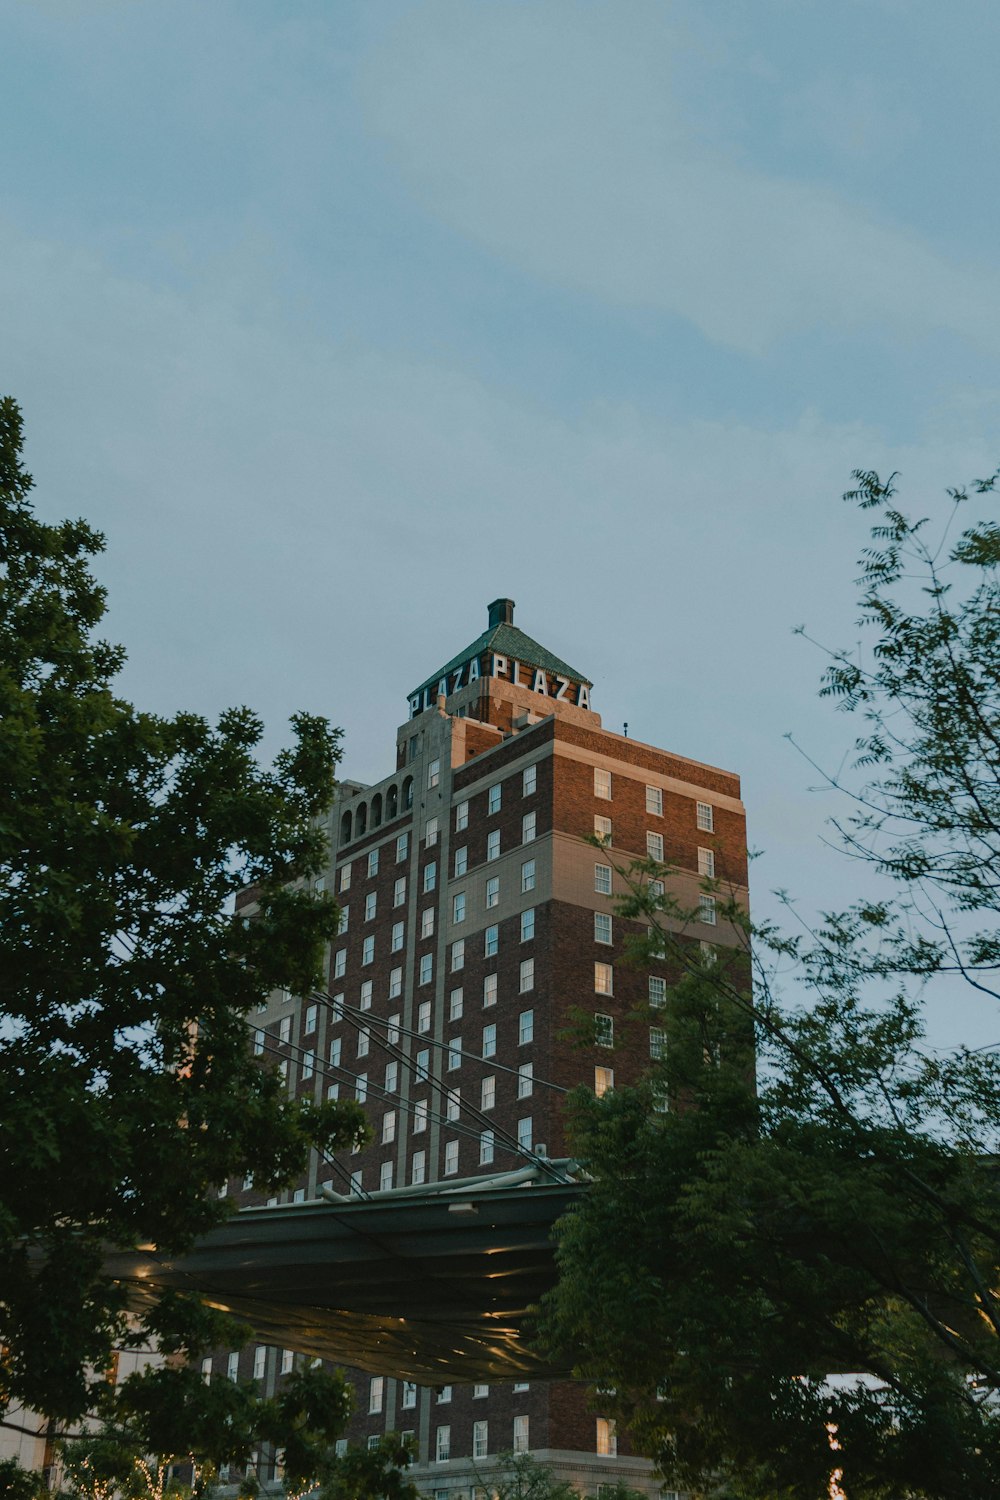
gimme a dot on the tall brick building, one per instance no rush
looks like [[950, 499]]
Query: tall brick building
[[476, 915]]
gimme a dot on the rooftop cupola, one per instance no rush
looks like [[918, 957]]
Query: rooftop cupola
[[501, 612]]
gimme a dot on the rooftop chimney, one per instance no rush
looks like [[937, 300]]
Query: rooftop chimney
[[501, 612]]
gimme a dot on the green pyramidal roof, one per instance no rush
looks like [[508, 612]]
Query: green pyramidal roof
[[506, 640]]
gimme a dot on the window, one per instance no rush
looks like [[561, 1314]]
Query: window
[[233, 1366], [343, 919], [493, 844], [520, 1443], [333, 1091], [657, 1042], [395, 983], [602, 784], [388, 1127], [526, 978], [479, 1391], [704, 817], [654, 801], [376, 1393], [485, 1148], [529, 825], [453, 1104], [370, 905], [604, 1079], [602, 829], [431, 832], [444, 1395], [706, 909], [337, 1004], [308, 1066], [422, 1064], [602, 927], [361, 1088], [709, 952], [602, 880], [525, 1080], [458, 954], [607, 1438], [455, 1005], [340, 963], [259, 1356], [433, 773], [368, 949], [311, 1013], [706, 863], [461, 816], [366, 994], [493, 798], [529, 780], [418, 1167], [488, 1092], [373, 1441], [391, 1077], [344, 880], [424, 1016], [528, 875], [458, 907], [287, 1361], [654, 846], [461, 860], [524, 1133], [454, 1053], [409, 1397], [489, 1041], [399, 891], [335, 1051], [528, 925], [258, 1042], [430, 875], [493, 891], [450, 1158], [426, 968], [419, 1116], [480, 1439], [356, 1188], [285, 1029], [604, 1031], [489, 990], [491, 942], [396, 940], [427, 922], [442, 1444], [402, 846], [526, 1027], [604, 979], [657, 992], [385, 1177], [299, 1196], [656, 889], [372, 862]]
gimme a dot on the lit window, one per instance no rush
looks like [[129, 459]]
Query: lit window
[[311, 1013], [527, 976], [409, 1398], [493, 844], [391, 1077], [395, 983], [385, 1176], [657, 991], [704, 817], [424, 1016], [427, 922], [344, 880], [426, 968], [402, 846], [602, 829], [454, 1054], [604, 1079], [493, 798], [287, 1361], [602, 880], [453, 1104], [259, 1356], [526, 1027], [528, 875], [461, 816], [366, 994], [431, 832], [433, 773], [396, 940], [442, 1446], [370, 905], [491, 942], [308, 1066], [604, 1031], [368, 950], [399, 891], [376, 1393], [602, 784], [604, 979], [524, 1133], [458, 907], [602, 927], [654, 801], [455, 1005], [489, 1041], [373, 862], [488, 1092], [340, 963], [520, 1443], [480, 1432], [461, 860], [258, 1043], [528, 925], [450, 1158], [654, 846], [418, 1174], [706, 863], [419, 1116], [657, 1046], [529, 780], [493, 891], [489, 990], [458, 954], [430, 875], [706, 909], [607, 1439], [525, 1080], [528, 827]]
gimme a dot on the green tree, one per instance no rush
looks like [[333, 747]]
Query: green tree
[[127, 1093], [520, 1476], [793, 1286]]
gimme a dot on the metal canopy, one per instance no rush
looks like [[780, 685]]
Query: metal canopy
[[429, 1284]]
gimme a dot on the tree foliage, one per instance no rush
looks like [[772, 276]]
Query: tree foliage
[[793, 1285]]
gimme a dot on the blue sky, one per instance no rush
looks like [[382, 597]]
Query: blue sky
[[342, 319]]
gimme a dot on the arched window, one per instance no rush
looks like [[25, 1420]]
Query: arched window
[[392, 803], [345, 828], [361, 820], [407, 793], [377, 810]]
